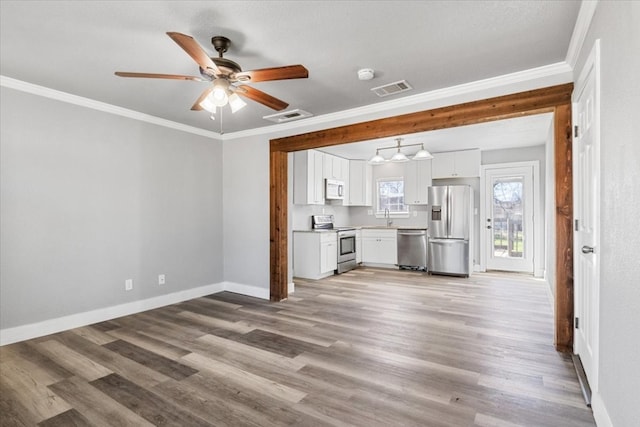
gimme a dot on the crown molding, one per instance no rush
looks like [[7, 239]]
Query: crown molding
[[101, 106], [533, 78], [583, 22], [536, 78]]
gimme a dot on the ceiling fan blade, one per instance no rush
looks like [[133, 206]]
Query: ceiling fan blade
[[276, 73], [261, 97], [196, 106], [159, 76], [189, 45]]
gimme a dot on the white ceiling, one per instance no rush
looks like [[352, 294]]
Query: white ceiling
[[76, 46]]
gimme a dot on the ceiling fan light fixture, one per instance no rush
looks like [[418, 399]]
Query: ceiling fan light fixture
[[423, 154], [208, 105], [236, 103]]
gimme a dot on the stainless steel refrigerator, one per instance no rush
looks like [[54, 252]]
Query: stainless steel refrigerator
[[450, 230]]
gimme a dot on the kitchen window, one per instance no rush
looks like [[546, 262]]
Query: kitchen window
[[390, 195]]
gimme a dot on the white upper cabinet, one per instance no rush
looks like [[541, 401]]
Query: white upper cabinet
[[360, 184], [308, 182], [456, 164], [335, 167], [417, 180]]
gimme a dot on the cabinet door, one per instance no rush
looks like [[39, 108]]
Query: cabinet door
[[358, 246], [467, 163], [360, 182], [308, 185], [328, 257], [379, 250], [417, 180], [443, 165], [317, 178]]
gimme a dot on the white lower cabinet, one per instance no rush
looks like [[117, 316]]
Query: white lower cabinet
[[358, 246], [315, 254], [379, 246]]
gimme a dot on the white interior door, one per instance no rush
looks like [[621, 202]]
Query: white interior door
[[508, 222], [586, 199]]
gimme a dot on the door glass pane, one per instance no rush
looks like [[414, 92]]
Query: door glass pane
[[508, 206]]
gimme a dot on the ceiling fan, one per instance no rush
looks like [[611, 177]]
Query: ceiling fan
[[226, 77]]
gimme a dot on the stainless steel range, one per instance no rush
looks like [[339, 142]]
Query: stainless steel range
[[346, 241]]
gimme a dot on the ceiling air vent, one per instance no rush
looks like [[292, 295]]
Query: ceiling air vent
[[287, 116], [392, 88]]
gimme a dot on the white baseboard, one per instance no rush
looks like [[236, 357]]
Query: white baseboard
[[248, 290], [52, 326], [600, 413]]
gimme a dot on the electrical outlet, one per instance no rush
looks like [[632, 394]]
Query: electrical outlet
[[161, 279], [415, 213], [369, 212], [128, 284]]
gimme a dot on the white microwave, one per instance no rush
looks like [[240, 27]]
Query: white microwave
[[334, 189]]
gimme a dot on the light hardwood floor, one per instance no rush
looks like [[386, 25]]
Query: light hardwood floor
[[371, 347]]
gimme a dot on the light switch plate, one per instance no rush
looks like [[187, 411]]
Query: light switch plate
[[128, 284]]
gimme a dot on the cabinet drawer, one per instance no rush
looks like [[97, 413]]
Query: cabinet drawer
[[328, 237]]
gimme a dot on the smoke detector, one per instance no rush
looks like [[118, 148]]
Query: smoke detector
[[365, 74]]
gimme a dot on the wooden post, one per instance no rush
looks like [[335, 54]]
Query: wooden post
[[564, 229]]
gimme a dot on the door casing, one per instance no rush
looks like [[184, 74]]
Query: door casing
[[555, 99]]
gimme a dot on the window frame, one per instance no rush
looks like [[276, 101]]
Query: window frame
[[396, 214]]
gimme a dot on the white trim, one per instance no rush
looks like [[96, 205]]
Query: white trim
[[101, 106], [538, 214], [51, 326], [291, 288], [546, 75], [585, 15], [600, 413], [248, 290]]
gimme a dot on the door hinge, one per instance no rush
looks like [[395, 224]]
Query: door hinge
[[577, 323], [576, 224], [575, 131]]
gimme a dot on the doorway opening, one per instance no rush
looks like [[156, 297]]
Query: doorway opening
[[554, 99]]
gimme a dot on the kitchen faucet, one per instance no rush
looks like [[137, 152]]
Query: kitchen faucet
[[387, 215]]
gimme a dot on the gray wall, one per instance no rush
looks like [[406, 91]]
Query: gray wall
[[246, 211], [616, 24], [89, 199]]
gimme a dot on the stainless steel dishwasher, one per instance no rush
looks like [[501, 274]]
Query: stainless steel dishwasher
[[412, 248]]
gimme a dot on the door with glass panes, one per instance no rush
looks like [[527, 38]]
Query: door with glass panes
[[508, 225]]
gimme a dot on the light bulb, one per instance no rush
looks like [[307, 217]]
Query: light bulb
[[218, 95]]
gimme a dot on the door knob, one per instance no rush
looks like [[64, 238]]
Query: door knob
[[587, 249], [488, 227]]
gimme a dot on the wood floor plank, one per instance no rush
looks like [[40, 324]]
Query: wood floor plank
[[74, 362], [28, 384], [145, 403], [115, 362], [247, 379], [95, 406], [155, 345], [70, 418], [168, 367], [371, 347]]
